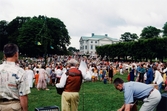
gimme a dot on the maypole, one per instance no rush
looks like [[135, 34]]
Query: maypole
[[44, 39]]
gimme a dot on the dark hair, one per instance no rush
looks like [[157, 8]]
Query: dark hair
[[149, 66], [155, 67], [118, 81], [43, 66], [10, 49]]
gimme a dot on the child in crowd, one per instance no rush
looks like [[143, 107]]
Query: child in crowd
[[96, 73], [93, 75], [36, 78], [104, 73], [53, 77], [100, 74]]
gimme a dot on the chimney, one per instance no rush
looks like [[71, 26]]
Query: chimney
[[93, 34], [106, 35]]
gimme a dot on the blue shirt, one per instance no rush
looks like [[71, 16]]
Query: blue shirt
[[142, 70], [135, 90], [138, 69], [150, 75]]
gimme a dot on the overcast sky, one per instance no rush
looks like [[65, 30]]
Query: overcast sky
[[84, 17]]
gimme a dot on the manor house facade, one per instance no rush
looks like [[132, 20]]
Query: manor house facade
[[88, 44]]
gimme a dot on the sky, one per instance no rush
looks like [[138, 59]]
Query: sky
[[84, 17]]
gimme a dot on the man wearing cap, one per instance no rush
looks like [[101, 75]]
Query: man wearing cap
[[14, 86], [71, 81]]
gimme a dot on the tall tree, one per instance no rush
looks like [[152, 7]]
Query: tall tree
[[165, 29], [127, 36], [3, 34], [72, 49], [134, 37], [50, 34], [13, 28], [150, 32]]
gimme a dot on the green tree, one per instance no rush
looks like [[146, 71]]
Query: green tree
[[127, 36], [73, 50], [58, 32], [141, 50], [13, 28], [3, 34], [134, 37], [101, 50], [150, 32], [165, 29], [27, 37], [50, 34]]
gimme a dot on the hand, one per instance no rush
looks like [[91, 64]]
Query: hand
[[119, 109]]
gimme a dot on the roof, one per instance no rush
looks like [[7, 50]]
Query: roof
[[97, 37]]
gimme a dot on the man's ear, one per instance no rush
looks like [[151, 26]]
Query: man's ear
[[16, 55]]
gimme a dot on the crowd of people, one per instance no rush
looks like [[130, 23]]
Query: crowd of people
[[40, 72], [100, 70], [154, 73]]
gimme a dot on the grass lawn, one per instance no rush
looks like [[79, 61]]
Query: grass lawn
[[94, 96]]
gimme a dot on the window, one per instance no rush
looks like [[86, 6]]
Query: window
[[85, 47], [91, 41], [95, 41], [91, 47]]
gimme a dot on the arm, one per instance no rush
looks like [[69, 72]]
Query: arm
[[24, 102], [122, 108], [62, 81], [134, 71], [127, 107], [155, 77]]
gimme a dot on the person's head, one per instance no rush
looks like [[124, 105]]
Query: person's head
[[73, 62], [148, 66], [133, 66], [155, 67], [118, 83], [37, 72], [141, 65], [11, 50]]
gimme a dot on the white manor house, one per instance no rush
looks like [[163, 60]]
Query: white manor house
[[88, 44]]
